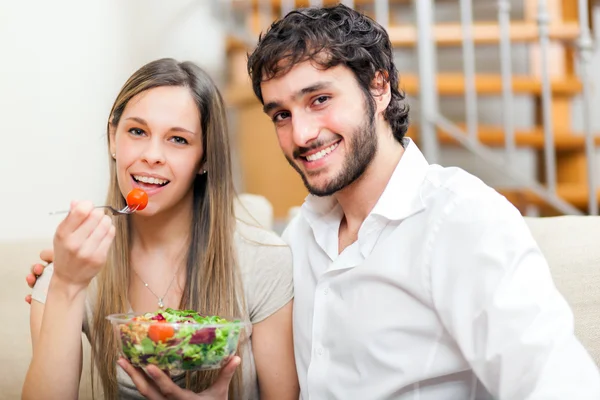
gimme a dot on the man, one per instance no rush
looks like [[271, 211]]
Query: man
[[411, 280]]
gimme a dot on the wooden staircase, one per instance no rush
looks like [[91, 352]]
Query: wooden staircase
[[258, 146]]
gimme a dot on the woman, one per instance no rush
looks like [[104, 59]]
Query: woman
[[167, 134]]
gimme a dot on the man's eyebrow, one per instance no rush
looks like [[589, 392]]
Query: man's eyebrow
[[270, 106], [175, 128], [313, 88]]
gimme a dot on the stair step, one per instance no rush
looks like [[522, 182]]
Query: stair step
[[450, 34], [276, 4], [233, 44], [450, 84], [574, 193], [494, 136]]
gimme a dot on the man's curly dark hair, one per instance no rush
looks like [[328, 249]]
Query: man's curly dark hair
[[331, 36]]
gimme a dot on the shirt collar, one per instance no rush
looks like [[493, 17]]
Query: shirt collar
[[324, 215], [400, 199]]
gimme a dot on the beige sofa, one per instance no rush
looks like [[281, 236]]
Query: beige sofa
[[569, 243]]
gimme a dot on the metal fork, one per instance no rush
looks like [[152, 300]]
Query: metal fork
[[124, 211]]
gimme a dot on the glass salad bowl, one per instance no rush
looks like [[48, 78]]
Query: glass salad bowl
[[177, 340]]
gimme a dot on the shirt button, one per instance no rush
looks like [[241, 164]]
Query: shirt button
[[320, 351], [326, 291]]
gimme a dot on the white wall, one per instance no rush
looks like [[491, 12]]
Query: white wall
[[62, 64]]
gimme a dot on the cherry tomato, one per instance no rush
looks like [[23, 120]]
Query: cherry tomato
[[160, 332], [137, 199]]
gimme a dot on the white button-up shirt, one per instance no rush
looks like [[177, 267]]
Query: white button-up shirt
[[444, 296]]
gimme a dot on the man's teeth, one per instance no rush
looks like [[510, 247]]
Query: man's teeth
[[322, 153], [148, 179]]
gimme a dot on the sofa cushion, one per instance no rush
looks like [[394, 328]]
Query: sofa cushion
[[571, 246]]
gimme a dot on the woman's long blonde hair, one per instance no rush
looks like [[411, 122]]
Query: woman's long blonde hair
[[212, 284]]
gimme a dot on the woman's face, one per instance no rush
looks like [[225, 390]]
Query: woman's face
[[158, 147]]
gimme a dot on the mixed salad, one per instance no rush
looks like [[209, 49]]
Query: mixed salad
[[197, 342]]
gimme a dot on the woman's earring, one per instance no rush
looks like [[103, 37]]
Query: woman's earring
[[114, 155], [203, 171]]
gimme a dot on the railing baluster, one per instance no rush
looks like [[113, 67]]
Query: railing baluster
[[428, 94], [549, 154], [249, 11], [287, 6], [585, 48], [349, 3], [468, 47], [382, 12], [484, 153], [316, 3], [266, 14], [506, 68]]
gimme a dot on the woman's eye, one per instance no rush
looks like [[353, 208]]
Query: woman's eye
[[136, 131], [179, 139]]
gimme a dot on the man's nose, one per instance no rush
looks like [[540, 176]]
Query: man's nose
[[305, 130]]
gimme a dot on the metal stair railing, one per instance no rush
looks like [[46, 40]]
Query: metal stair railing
[[432, 119]]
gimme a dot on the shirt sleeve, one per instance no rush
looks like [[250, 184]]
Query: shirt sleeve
[[494, 293], [40, 289], [267, 274]]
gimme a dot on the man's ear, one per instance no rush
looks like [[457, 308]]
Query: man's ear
[[381, 91]]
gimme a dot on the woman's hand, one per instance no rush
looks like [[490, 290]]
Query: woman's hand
[[160, 387], [81, 244]]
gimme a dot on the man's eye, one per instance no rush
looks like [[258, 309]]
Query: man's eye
[[280, 116], [179, 139], [136, 131], [321, 99]]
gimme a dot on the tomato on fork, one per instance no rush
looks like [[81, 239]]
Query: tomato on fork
[[137, 199]]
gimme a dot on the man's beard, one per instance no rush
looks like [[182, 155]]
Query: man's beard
[[362, 149]]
